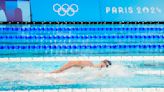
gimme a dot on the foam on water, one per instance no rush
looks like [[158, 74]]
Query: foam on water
[[74, 75]]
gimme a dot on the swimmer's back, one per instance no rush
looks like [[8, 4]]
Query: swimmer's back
[[83, 63]]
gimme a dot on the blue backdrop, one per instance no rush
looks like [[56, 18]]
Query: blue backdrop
[[83, 10], [97, 10]]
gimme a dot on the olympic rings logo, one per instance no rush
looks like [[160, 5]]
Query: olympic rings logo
[[65, 9]]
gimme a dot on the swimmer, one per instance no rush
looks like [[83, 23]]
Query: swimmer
[[82, 64]]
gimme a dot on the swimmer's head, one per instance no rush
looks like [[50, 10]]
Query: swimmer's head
[[105, 63]]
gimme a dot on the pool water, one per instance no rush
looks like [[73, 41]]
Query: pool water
[[81, 40], [37, 41], [36, 75]]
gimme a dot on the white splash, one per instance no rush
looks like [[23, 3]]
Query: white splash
[[73, 75]]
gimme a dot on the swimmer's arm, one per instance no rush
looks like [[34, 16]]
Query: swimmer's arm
[[67, 66], [56, 71]]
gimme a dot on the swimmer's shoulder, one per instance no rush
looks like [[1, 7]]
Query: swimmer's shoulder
[[87, 63], [83, 63]]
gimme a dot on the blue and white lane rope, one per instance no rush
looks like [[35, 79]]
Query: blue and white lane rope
[[84, 47]]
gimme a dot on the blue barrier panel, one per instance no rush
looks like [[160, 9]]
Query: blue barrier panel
[[132, 10], [97, 10], [65, 10]]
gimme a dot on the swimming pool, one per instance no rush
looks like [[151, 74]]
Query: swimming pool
[[29, 52], [78, 40], [122, 74]]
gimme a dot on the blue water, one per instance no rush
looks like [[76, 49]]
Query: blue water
[[36, 75], [78, 40]]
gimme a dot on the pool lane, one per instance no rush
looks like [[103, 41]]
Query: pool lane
[[78, 40]]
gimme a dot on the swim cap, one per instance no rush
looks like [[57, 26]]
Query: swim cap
[[107, 62]]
